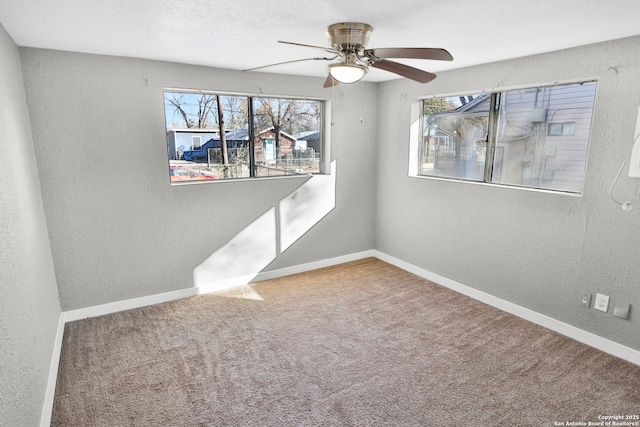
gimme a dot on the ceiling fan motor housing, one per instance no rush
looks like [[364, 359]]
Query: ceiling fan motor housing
[[350, 35]]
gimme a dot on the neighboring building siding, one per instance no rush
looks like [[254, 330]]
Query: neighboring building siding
[[569, 163], [528, 154], [556, 161], [286, 145]]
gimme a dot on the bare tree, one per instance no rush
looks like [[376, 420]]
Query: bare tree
[[285, 115], [194, 110], [237, 108]]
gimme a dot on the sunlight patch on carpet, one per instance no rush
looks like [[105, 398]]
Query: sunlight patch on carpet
[[242, 292]]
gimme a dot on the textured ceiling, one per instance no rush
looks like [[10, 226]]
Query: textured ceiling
[[243, 34]]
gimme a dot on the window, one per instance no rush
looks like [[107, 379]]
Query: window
[[566, 129], [196, 143], [535, 137], [218, 136]]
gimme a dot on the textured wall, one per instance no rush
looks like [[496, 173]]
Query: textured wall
[[535, 249], [98, 130], [29, 306]]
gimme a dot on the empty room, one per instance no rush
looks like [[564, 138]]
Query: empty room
[[321, 214]]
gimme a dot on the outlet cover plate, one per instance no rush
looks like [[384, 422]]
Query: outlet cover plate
[[586, 300], [621, 310], [602, 302]]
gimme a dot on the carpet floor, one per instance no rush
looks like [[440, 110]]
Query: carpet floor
[[359, 344]]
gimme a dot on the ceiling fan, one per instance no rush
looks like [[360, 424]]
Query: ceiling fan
[[348, 41]]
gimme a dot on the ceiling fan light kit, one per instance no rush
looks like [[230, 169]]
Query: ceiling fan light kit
[[347, 73], [348, 41]]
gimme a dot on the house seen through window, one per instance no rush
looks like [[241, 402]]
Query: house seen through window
[[536, 137], [214, 136]]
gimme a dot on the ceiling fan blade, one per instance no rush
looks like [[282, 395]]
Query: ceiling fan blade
[[410, 52], [330, 82], [328, 49], [404, 70], [290, 62]]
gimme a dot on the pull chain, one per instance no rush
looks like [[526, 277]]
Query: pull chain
[[362, 101]]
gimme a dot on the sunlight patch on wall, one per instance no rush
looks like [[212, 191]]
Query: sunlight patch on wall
[[238, 262], [306, 206], [414, 138], [241, 259]]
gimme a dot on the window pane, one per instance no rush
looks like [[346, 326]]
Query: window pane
[[568, 128], [454, 137], [542, 136], [196, 143], [194, 140], [287, 135], [555, 128]]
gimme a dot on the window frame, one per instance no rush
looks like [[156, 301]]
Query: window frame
[[417, 129], [324, 166]]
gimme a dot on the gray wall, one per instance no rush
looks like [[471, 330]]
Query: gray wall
[[535, 249], [99, 135], [29, 307]]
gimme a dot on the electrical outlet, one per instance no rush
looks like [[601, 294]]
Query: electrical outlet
[[586, 300], [602, 302]]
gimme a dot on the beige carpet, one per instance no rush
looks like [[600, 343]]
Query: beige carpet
[[360, 344]]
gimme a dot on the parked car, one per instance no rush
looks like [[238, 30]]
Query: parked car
[[182, 173], [194, 155]]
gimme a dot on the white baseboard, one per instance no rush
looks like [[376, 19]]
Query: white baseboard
[[47, 408], [580, 335], [114, 307], [301, 268]]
